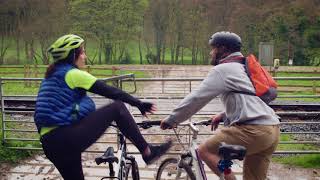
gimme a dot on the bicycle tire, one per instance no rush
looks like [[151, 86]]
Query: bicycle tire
[[127, 170], [132, 169], [170, 163], [135, 171]]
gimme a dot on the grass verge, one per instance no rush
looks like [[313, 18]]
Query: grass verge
[[305, 161]]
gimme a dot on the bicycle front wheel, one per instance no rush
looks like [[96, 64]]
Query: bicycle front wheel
[[169, 170]]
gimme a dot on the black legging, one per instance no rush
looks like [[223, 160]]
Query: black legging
[[63, 146]]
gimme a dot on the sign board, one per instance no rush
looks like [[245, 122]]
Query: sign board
[[266, 53]]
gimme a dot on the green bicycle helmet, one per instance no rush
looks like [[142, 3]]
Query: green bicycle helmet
[[62, 46]]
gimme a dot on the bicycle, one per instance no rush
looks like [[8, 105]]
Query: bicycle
[[125, 163], [189, 166]]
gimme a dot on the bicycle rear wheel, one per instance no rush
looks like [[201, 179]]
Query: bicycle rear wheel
[[169, 170], [133, 170]]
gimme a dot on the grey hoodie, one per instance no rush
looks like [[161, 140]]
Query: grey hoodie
[[239, 108]]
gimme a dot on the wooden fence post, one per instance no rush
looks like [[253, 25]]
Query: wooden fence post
[[88, 68], [314, 84], [113, 73], [27, 75], [36, 73], [314, 87]]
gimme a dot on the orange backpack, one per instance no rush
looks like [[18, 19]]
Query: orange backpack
[[264, 84]]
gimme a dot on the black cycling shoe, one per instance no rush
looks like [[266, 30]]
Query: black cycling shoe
[[156, 152]]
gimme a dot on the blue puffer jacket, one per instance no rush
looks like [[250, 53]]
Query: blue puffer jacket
[[57, 104]]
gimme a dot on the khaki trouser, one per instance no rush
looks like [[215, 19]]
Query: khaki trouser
[[260, 141]]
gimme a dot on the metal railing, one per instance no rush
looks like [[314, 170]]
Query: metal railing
[[119, 82]]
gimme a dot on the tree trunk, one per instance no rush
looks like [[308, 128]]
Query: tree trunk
[[44, 57], [3, 50], [176, 61], [100, 53], [182, 49], [193, 54], [172, 53], [163, 53], [18, 48], [108, 53], [31, 52], [26, 49], [140, 51]]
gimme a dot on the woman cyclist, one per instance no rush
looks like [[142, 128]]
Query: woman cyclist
[[67, 119]]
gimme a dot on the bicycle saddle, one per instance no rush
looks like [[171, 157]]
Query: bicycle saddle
[[230, 152], [107, 157]]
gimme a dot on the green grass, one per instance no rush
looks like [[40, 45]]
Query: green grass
[[298, 82], [13, 156], [297, 93], [305, 161], [8, 155]]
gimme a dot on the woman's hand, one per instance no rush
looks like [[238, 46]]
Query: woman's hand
[[145, 107], [216, 119]]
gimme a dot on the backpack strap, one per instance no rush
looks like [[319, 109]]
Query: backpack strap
[[238, 59], [241, 60]]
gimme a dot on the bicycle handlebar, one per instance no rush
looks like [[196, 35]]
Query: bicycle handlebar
[[203, 122], [148, 124], [143, 124]]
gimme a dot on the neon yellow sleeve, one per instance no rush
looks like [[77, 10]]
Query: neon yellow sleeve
[[76, 78]]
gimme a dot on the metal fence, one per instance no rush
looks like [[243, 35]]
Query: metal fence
[[18, 130]]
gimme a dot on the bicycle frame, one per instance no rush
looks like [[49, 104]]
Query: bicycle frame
[[200, 174], [118, 170], [121, 154], [125, 163], [196, 161]]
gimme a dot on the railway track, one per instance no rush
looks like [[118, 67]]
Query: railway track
[[283, 109]]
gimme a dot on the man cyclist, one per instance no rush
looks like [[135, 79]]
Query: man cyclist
[[248, 120]]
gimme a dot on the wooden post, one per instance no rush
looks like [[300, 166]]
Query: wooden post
[[162, 82], [113, 73], [36, 73], [88, 68], [314, 87], [314, 84], [27, 74]]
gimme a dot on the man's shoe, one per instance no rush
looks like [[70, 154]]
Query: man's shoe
[[156, 152]]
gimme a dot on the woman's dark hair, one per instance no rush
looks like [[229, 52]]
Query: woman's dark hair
[[70, 59]]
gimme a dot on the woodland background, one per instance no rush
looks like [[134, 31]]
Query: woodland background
[[158, 31]]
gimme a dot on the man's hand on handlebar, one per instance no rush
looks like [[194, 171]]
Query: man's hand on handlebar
[[215, 120], [164, 125]]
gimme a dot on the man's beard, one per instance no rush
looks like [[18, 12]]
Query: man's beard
[[215, 59]]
